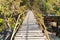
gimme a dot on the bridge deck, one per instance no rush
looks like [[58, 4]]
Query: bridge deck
[[29, 29]]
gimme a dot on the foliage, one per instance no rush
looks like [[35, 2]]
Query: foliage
[[10, 20], [11, 9], [1, 24], [1, 21], [53, 7], [47, 6]]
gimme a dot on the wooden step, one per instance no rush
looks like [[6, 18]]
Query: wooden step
[[29, 39], [30, 34], [30, 31]]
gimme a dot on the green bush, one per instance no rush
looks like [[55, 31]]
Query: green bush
[[1, 24], [1, 21]]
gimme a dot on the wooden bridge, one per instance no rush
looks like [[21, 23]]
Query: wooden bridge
[[30, 29]]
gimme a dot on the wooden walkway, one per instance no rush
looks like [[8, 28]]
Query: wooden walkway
[[30, 29]]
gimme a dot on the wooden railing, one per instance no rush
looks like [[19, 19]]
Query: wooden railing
[[40, 22], [18, 23]]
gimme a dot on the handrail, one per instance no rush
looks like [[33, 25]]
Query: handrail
[[45, 29], [41, 24], [17, 23]]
